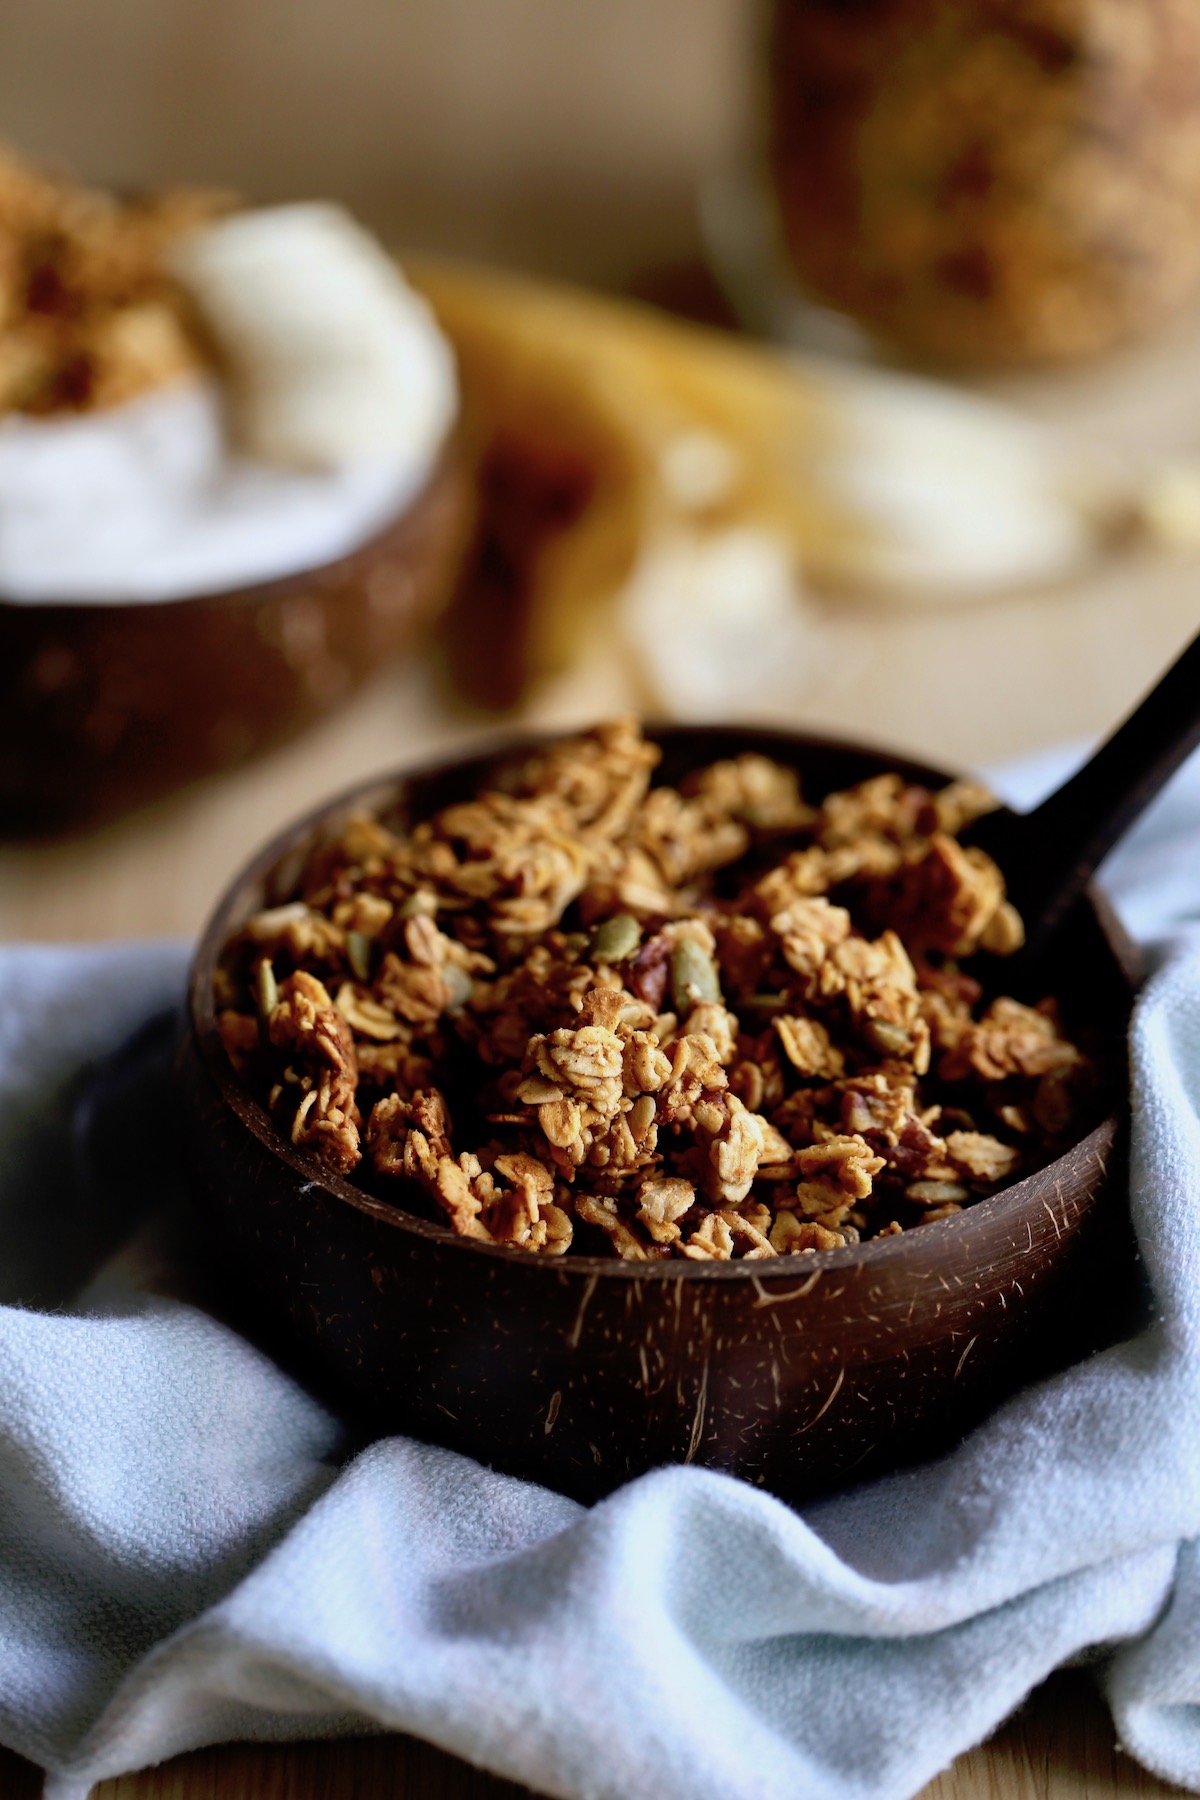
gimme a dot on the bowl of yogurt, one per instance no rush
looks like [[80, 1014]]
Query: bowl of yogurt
[[232, 483]]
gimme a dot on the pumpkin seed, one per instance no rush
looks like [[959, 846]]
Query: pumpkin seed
[[266, 988], [358, 954], [893, 1040], [458, 986], [765, 1005], [616, 939], [694, 977]]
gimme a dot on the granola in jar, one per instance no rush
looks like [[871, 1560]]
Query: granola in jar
[[990, 181], [580, 1012]]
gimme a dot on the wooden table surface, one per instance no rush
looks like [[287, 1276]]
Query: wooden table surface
[[1058, 1746], [960, 687]]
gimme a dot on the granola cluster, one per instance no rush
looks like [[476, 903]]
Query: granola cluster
[[89, 316], [579, 1011]]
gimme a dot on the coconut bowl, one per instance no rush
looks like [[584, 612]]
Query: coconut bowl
[[583, 1371], [106, 706]]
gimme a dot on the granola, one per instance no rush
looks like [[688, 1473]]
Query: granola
[[89, 316], [1001, 183], [581, 1012]]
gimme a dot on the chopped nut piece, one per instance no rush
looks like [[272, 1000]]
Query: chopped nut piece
[[947, 898], [1055, 1103]]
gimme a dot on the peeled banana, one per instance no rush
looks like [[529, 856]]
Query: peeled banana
[[330, 357]]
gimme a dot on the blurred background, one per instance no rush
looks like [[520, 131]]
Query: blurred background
[[928, 475], [562, 136]]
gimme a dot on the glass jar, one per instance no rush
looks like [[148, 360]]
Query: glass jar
[[990, 181]]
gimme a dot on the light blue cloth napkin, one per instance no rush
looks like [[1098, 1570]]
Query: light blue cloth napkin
[[183, 1559]]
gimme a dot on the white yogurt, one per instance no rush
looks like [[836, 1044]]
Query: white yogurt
[[144, 502], [147, 501]]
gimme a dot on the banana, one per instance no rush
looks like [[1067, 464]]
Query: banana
[[330, 357]]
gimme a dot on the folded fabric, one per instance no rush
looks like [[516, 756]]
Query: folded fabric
[[185, 1559]]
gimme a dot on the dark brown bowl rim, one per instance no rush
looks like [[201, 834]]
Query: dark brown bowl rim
[[201, 1014], [257, 593]]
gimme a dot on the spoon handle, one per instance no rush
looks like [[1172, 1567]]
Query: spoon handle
[[1049, 855]]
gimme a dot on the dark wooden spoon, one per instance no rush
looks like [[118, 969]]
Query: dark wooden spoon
[[1049, 855]]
